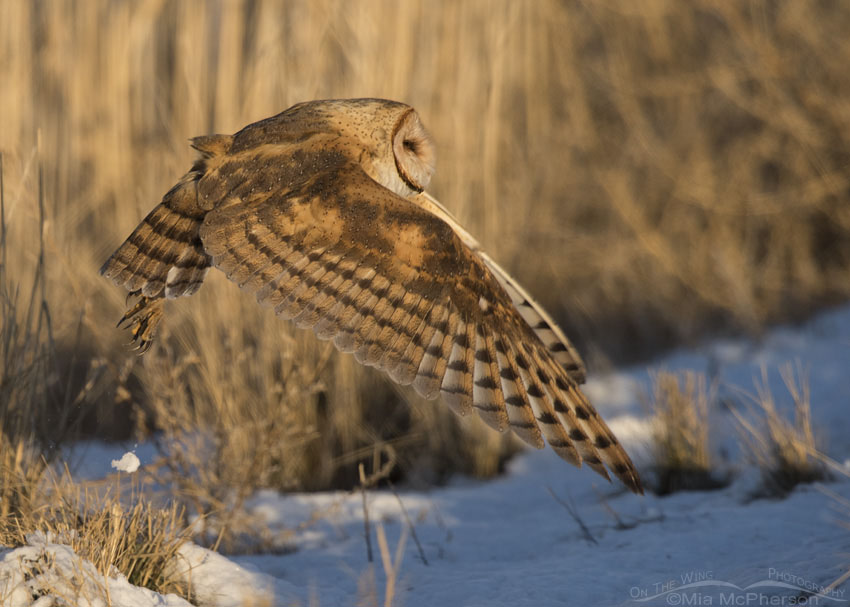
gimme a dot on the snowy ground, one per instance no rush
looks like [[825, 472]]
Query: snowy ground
[[510, 542]]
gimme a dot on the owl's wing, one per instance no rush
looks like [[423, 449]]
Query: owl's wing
[[395, 285], [546, 328]]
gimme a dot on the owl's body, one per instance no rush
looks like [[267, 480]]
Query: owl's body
[[320, 212]]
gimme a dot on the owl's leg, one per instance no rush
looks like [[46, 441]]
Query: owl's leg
[[143, 320]]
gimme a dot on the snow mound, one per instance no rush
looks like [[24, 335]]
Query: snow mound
[[45, 573]]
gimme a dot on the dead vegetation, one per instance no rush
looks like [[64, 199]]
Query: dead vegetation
[[778, 439], [141, 541], [785, 449], [682, 450], [42, 407], [651, 174]]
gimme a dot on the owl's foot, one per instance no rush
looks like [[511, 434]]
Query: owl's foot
[[142, 319]]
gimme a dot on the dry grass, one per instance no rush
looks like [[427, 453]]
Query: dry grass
[[44, 399], [681, 445], [40, 404], [140, 541], [391, 563], [785, 450], [652, 173]]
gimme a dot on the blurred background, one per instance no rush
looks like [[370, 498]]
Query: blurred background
[[655, 173]]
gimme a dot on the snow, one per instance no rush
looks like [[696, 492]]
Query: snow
[[92, 459], [218, 581], [128, 463], [53, 574], [510, 542]]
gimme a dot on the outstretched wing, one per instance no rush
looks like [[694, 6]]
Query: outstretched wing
[[395, 285], [547, 330]]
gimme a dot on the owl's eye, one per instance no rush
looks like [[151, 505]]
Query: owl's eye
[[409, 145]]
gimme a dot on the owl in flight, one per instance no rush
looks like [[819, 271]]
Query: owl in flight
[[321, 213]]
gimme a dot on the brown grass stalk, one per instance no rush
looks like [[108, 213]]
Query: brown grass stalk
[[786, 450], [651, 173], [681, 442], [139, 538]]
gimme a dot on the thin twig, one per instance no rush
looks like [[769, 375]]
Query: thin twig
[[570, 507], [409, 524], [607, 507], [2, 222], [391, 566], [365, 513]]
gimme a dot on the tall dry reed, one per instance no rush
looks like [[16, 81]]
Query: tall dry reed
[[653, 172]]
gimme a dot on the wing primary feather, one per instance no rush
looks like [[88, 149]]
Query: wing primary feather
[[539, 320], [487, 395], [520, 413], [594, 440], [456, 388], [155, 250], [433, 352], [544, 413], [372, 348], [409, 350]]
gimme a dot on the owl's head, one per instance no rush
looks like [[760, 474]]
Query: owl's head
[[386, 137]]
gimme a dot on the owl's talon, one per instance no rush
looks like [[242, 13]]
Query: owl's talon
[[142, 319]]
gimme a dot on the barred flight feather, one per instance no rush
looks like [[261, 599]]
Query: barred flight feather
[[520, 411], [486, 389], [435, 354], [342, 310], [401, 331], [539, 320], [456, 389], [408, 351], [360, 296]]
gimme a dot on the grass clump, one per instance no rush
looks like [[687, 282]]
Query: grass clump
[[141, 541], [785, 449], [681, 446], [44, 399]]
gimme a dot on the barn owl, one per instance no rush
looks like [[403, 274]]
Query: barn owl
[[321, 213]]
